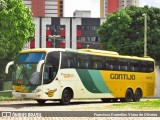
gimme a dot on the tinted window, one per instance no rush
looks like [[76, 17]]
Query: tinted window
[[112, 63], [134, 65], [123, 64], [68, 60], [147, 66], [84, 61], [98, 62], [53, 59], [30, 57]]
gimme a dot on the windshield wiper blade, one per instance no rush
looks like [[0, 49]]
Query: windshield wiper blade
[[21, 72]]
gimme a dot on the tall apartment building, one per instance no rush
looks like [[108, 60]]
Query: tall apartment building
[[110, 6], [74, 32], [45, 8]]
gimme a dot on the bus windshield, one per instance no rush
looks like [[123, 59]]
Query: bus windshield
[[25, 73], [34, 57]]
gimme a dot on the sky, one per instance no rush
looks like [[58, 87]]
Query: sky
[[154, 3], [93, 5], [72, 5]]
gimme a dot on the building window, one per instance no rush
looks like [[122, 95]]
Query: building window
[[86, 27], [94, 27], [61, 2], [83, 39], [93, 39], [87, 39], [78, 27], [61, 15], [79, 38]]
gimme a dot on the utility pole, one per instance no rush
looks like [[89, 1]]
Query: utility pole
[[145, 34]]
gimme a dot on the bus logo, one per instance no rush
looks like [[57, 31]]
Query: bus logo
[[122, 76], [67, 75]]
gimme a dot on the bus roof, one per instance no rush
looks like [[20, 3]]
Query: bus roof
[[87, 51], [99, 51], [42, 50]]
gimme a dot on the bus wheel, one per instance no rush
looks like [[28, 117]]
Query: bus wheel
[[128, 96], [41, 102], [137, 96], [66, 97], [106, 99]]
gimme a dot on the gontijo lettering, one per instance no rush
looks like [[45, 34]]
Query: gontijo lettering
[[122, 76]]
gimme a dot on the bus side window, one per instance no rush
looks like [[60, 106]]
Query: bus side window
[[150, 66], [132, 68], [123, 68], [104, 64], [136, 65], [68, 63], [123, 64], [94, 65], [143, 66], [68, 60], [110, 67], [64, 64], [84, 61]]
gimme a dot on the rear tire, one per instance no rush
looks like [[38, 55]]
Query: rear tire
[[128, 96], [66, 97], [137, 96]]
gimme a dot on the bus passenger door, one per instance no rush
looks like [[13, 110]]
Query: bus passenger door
[[50, 84]]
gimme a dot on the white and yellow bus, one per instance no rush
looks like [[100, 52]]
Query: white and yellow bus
[[49, 74]]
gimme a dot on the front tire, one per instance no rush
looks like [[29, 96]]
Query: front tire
[[66, 97]]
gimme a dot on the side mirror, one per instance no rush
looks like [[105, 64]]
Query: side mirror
[[8, 65], [39, 65]]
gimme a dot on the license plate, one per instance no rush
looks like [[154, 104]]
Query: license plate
[[23, 95]]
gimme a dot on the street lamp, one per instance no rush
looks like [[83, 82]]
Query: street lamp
[[54, 38], [145, 34]]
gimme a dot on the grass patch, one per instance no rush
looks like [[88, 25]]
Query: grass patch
[[142, 105], [5, 98]]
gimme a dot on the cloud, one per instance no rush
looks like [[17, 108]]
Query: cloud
[[153, 3]]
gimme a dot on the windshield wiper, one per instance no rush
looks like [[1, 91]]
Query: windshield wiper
[[24, 73]]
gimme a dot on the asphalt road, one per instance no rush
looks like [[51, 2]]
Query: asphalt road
[[88, 109]]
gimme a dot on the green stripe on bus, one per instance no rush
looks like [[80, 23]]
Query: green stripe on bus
[[98, 81], [93, 81], [87, 81]]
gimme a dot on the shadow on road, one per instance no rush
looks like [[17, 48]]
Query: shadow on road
[[21, 104]]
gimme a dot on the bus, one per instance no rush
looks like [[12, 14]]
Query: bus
[[57, 74]]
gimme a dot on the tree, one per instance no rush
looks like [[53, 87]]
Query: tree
[[17, 27], [123, 31]]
